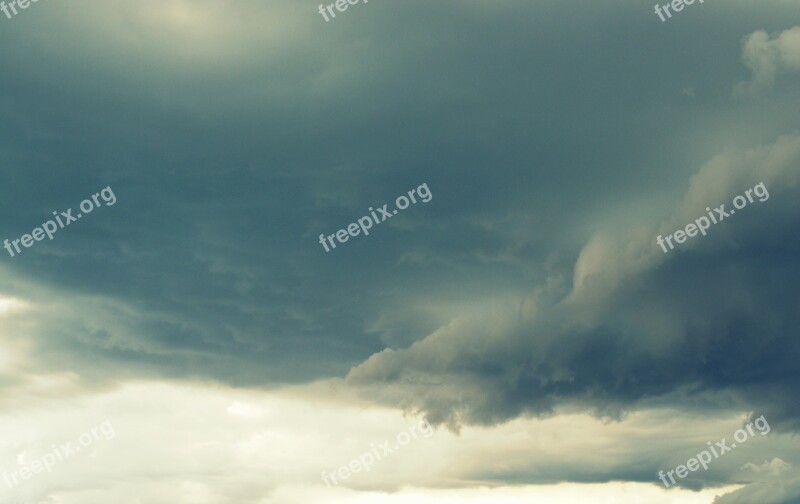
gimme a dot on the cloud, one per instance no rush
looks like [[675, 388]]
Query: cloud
[[773, 488], [776, 466], [531, 286], [214, 445], [703, 323], [768, 57]]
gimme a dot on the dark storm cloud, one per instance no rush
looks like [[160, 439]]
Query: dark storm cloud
[[555, 137], [709, 327], [232, 139], [716, 315]]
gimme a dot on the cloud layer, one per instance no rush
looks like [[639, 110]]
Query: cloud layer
[[527, 306]]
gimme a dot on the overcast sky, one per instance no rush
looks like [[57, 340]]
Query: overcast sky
[[526, 310]]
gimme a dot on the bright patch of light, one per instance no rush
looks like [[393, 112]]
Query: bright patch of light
[[11, 305]]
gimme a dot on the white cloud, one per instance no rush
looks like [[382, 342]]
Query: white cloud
[[775, 466], [610, 493], [211, 445], [767, 57]]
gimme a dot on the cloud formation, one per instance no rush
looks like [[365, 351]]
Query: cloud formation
[[524, 307], [636, 326], [767, 57]]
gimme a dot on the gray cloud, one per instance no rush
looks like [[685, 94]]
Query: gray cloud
[[637, 324], [557, 139]]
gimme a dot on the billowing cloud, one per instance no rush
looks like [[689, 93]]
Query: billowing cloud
[[770, 490], [638, 325], [767, 57], [524, 306]]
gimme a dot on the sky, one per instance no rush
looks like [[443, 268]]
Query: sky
[[538, 325]]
